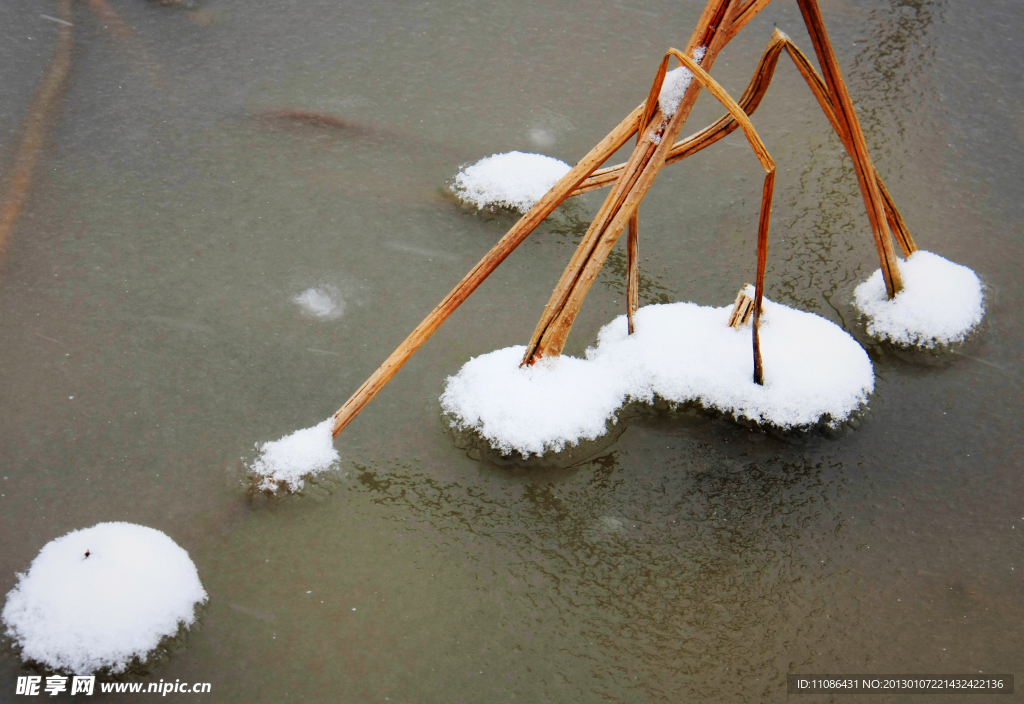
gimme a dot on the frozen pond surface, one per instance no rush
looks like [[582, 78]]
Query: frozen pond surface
[[156, 321]]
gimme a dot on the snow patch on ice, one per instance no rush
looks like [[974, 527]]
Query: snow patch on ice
[[680, 352], [542, 137], [79, 613], [321, 302], [290, 460], [513, 180], [941, 302], [676, 82]]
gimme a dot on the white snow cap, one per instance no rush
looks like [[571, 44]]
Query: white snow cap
[[513, 180], [680, 352], [941, 302], [80, 614], [321, 302], [676, 82], [304, 453]]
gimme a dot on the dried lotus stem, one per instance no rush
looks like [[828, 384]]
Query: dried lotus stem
[[553, 329], [632, 271], [847, 119], [762, 258]]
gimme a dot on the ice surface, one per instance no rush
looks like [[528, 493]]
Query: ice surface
[[321, 302], [513, 180], [680, 352], [80, 614], [676, 82], [941, 302], [291, 459]]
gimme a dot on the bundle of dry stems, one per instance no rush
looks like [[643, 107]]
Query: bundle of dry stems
[[656, 148]]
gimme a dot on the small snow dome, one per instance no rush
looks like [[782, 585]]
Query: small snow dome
[[101, 597], [940, 304], [514, 180], [289, 461]]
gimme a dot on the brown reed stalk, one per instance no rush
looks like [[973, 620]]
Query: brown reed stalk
[[847, 119], [633, 240], [721, 128], [36, 125], [762, 258], [632, 271], [745, 14], [897, 226]]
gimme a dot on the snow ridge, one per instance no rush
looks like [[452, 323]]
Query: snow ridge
[[680, 352]]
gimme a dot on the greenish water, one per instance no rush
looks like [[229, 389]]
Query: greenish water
[[150, 338]]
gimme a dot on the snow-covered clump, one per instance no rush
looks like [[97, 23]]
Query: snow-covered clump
[[941, 302], [676, 82], [533, 409], [513, 180], [304, 453], [98, 598], [321, 302], [681, 352]]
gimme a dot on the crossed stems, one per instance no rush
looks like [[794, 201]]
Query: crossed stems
[[553, 328], [619, 209], [719, 23]]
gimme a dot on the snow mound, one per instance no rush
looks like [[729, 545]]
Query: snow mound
[[533, 409], [941, 302], [676, 82], [321, 302], [99, 597], [681, 352], [291, 459], [513, 180]]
